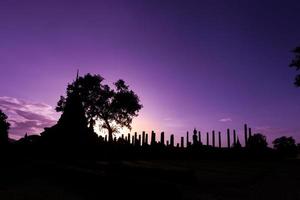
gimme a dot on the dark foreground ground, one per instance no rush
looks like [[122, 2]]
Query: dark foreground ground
[[149, 179]]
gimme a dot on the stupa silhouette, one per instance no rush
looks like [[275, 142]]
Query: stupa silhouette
[[72, 127]]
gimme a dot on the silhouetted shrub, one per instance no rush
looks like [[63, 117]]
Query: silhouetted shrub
[[4, 127], [257, 142], [285, 145]]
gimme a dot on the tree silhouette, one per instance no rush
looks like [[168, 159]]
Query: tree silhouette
[[113, 109], [87, 88], [116, 108], [296, 63], [4, 127], [257, 142], [285, 145]]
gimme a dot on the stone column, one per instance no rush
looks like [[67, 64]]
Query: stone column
[[172, 140], [220, 140], [228, 138], [207, 138], [234, 137], [213, 138], [246, 135], [187, 139], [143, 138], [162, 138], [182, 142], [250, 132], [153, 138], [146, 141], [199, 137]]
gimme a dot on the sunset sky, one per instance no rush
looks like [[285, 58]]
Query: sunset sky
[[212, 64]]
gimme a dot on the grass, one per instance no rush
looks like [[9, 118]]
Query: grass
[[150, 179]]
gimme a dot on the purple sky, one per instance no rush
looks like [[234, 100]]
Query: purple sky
[[212, 64]]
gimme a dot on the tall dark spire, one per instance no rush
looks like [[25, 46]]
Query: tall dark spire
[[77, 75]]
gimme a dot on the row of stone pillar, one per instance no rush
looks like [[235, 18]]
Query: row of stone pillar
[[139, 140], [247, 134]]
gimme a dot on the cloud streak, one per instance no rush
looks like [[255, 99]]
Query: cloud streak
[[27, 117], [225, 120], [276, 131]]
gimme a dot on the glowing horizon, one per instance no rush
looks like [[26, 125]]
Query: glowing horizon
[[194, 64]]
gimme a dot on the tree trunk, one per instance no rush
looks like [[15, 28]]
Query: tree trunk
[[110, 132], [110, 135]]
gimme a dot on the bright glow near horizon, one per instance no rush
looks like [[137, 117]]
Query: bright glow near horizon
[[194, 64]]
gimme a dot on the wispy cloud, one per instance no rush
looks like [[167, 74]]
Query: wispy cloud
[[27, 117], [225, 120], [173, 122], [167, 119], [276, 131]]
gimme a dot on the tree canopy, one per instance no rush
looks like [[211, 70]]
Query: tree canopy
[[4, 127], [113, 108], [296, 64], [88, 88], [285, 145], [257, 142]]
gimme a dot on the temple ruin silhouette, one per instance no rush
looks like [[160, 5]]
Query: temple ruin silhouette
[[72, 127]]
